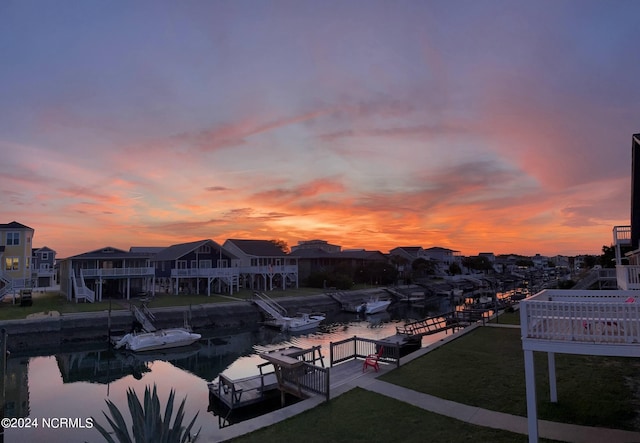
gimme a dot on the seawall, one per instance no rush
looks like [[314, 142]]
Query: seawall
[[55, 331]]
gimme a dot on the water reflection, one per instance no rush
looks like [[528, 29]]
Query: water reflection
[[75, 383]]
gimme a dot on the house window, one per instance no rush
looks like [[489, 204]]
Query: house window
[[13, 238], [44, 266], [204, 249], [44, 256], [181, 264], [205, 264], [11, 264], [223, 263], [194, 264]]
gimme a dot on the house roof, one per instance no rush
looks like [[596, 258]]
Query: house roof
[[43, 249], [310, 253], [108, 252], [409, 248], [14, 225], [438, 248], [147, 249], [258, 248], [175, 252]]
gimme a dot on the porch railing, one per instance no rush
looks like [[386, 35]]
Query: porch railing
[[275, 269], [205, 272], [628, 276], [147, 271], [604, 317], [357, 347]]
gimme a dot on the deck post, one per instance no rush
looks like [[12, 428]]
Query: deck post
[[553, 390], [530, 382], [3, 370]]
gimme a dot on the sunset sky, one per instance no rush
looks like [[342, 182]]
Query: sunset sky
[[480, 126]]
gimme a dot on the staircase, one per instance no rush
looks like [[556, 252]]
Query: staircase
[[588, 280], [269, 306], [80, 288], [6, 287]]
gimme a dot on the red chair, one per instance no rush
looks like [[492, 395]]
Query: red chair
[[372, 360]]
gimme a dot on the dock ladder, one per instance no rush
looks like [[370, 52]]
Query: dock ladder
[[269, 306]]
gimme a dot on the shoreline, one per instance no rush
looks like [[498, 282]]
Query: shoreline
[[56, 330]]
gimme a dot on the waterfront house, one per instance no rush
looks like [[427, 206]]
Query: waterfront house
[[108, 271], [197, 268], [44, 260], [311, 261], [263, 265], [16, 257], [316, 244]]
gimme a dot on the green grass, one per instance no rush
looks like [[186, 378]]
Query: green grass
[[485, 368], [47, 302], [364, 416], [508, 318]]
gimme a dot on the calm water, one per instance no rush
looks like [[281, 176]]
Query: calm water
[[75, 385]]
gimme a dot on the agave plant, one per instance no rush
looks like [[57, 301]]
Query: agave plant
[[148, 425]]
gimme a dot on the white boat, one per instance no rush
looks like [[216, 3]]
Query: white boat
[[304, 322], [373, 306], [161, 339]]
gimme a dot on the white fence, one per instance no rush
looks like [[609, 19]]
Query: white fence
[[582, 316]]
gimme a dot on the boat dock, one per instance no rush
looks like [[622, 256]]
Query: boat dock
[[300, 373]]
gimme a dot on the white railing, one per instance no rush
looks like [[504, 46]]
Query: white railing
[[582, 317], [622, 235], [205, 272], [119, 272], [274, 269], [81, 290], [628, 277], [44, 272]]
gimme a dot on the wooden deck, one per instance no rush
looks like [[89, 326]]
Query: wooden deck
[[243, 392]]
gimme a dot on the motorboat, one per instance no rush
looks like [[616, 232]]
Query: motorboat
[[160, 339], [373, 306], [303, 322]]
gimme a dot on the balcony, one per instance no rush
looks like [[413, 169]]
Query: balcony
[[274, 269], [622, 235], [582, 322], [204, 272], [628, 277], [147, 271]]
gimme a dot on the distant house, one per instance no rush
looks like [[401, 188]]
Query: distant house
[[312, 261], [263, 265], [488, 255], [443, 255], [44, 273], [316, 244], [107, 271], [197, 268], [16, 257], [411, 253]]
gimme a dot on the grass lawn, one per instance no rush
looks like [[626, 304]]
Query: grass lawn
[[486, 368], [508, 318], [363, 416], [46, 302]]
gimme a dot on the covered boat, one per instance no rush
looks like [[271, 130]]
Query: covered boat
[[304, 322], [373, 306], [161, 339]]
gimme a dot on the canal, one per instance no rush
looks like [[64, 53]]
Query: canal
[[60, 395]]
